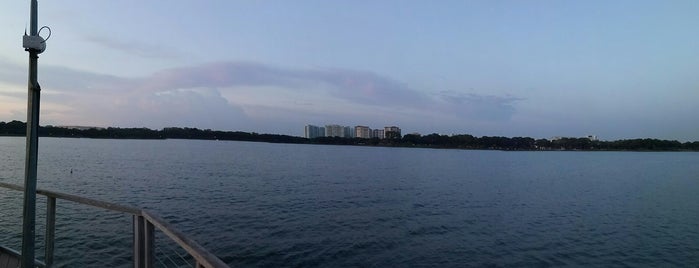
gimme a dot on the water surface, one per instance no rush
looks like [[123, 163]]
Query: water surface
[[272, 205]]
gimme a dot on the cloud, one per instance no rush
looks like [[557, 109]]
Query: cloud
[[355, 86], [78, 97], [492, 108], [12, 73], [370, 88], [223, 74], [358, 87], [200, 107], [13, 94], [250, 96], [139, 49]]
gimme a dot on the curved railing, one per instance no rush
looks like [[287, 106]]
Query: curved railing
[[144, 224]]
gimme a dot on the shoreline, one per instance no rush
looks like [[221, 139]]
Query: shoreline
[[389, 145]]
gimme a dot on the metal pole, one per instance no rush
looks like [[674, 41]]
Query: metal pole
[[29, 212], [139, 236], [148, 244], [50, 230]]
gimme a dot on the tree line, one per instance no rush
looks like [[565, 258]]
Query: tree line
[[526, 143], [18, 128], [465, 141]]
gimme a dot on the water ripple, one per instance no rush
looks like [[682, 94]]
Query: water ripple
[[276, 205]]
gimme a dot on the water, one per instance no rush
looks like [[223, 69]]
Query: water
[[282, 205]]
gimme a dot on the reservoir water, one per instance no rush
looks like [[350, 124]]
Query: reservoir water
[[285, 205]]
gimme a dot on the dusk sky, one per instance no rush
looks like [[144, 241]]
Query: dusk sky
[[615, 69]]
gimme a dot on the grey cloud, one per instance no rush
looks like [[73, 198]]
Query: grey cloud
[[12, 73], [99, 99], [222, 74], [370, 88], [64, 79], [354, 86], [71, 80], [493, 108], [14, 94], [133, 48], [191, 96], [203, 107]]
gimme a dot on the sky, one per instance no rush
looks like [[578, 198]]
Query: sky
[[614, 69]]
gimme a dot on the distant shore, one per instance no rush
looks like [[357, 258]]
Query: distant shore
[[464, 141]]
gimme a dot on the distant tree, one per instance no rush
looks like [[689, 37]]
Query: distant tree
[[543, 144], [412, 139], [393, 135]]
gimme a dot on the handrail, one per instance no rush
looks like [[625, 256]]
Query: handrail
[[90, 202], [199, 253], [203, 257], [78, 199]]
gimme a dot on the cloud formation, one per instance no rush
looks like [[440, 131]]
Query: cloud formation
[[247, 96], [494, 108], [139, 49], [358, 87]]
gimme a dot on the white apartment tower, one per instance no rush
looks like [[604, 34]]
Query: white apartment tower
[[334, 131], [363, 132]]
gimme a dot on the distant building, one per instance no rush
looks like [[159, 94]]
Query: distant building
[[392, 132], [589, 137], [377, 133], [311, 131], [349, 132], [81, 127], [363, 132], [334, 131]]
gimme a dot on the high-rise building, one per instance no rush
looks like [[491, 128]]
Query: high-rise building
[[311, 131], [349, 132], [334, 131], [377, 133], [392, 132], [362, 132]]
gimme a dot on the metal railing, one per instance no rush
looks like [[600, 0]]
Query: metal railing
[[144, 224]]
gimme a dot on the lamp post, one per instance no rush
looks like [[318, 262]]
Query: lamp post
[[33, 44]]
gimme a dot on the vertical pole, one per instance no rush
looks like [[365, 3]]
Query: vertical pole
[[148, 244], [29, 211], [138, 242], [50, 230]]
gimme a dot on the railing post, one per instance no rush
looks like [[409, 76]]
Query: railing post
[[149, 244], [143, 243], [50, 230], [138, 242]]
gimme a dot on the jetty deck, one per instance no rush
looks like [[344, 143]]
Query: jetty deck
[[8, 258], [12, 259]]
